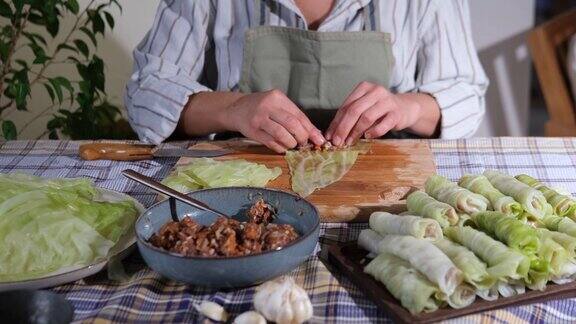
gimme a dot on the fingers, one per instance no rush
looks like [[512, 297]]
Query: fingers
[[292, 124], [267, 139], [368, 119], [350, 116], [279, 133], [388, 122], [360, 90], [312, 133]]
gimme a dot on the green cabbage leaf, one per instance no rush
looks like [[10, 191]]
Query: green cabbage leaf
[[47, 225]]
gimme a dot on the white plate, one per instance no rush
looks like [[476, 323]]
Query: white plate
[[70, 274]]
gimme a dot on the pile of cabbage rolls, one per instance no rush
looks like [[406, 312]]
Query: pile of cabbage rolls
[[487, 236]]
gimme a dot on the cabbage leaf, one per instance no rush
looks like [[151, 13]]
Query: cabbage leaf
[[47, 225], [316, 169], [205, 173]]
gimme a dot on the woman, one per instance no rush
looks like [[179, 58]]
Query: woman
[[288, 72]]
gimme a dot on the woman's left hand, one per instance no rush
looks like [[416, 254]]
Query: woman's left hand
[[371, 110]]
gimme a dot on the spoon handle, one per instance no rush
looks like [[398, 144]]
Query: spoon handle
[[157, 186]]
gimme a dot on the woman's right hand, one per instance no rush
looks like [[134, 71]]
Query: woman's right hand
[[273, 120]]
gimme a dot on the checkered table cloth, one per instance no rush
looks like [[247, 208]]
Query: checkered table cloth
[[147, 297]]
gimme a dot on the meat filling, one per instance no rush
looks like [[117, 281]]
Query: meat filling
[[226, 237]]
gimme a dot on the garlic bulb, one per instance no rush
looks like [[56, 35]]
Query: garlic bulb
[[283, 301], [250, 317], [212, 310]]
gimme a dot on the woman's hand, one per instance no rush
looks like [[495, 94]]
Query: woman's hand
[[371, 110], [273, 120]]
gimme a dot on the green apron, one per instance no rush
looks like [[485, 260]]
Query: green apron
[[316, 70]]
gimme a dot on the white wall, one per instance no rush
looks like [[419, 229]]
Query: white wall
[[499, 32], [500, 29]]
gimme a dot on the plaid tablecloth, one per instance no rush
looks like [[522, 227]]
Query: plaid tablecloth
[[147, 297]]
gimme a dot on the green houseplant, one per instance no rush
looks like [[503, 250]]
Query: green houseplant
[[79, 107]]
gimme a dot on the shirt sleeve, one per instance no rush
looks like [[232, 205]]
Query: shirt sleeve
[[449, 68], [168, 64]]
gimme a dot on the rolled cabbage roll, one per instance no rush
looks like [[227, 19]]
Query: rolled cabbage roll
[[504, 263], [423, 228], [479, 184], [519, 236], [562, 205], [463, 200], [463, 296], [420, 203], [464, 219], [425, 257], [560, 224], [411, 288], [562, 266], [511, 288], [532, 200], [539, 274], [490, 294], [566, 241], [508, 230], [473, 269], [369, 240]]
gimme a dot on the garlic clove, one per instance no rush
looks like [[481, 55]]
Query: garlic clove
[[212, 310], [283, 301], [250, 317]]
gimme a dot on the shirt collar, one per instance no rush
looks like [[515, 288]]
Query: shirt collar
[[340, 7]]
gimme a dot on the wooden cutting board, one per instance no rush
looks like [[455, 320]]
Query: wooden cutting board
[[379, 180], [349, 259]]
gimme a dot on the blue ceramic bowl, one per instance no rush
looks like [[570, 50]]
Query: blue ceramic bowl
[[230, 272]]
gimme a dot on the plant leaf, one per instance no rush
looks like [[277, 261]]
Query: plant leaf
[[109, 19], [9, 130], [65, 83], [64, 46], [18, 6], [19, 88], [117, 4], [73, 6], [73, 59], [53, 25], [57, 89], [39, 53], [5, 9], [58, 83], [23, 64], [90, 35], [97, 22], [50, 91], [82, 47], [35, 18], [4, 49], [53, 135], [34, 37]]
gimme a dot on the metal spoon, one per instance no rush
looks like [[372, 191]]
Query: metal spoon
[[173, 194]]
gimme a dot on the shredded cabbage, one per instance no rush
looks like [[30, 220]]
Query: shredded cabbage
[[209, 173], [46, 225]]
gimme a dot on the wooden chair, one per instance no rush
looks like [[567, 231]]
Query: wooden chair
[[549, 47]]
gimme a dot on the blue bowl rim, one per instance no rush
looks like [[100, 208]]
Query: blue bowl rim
[[144, 242]]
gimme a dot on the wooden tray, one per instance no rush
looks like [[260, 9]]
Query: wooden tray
[[350, 259], [379, 180]]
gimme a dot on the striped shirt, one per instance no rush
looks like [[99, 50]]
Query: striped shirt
[[197, 45]]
